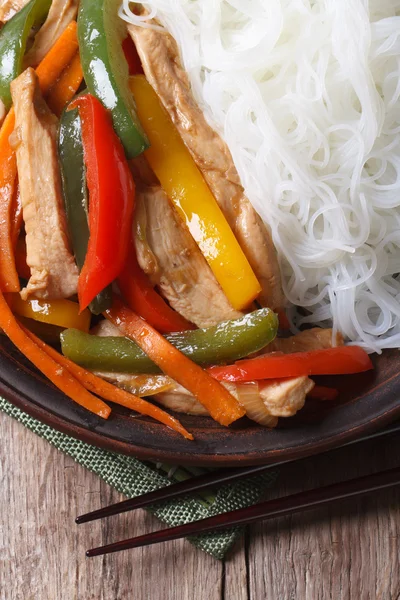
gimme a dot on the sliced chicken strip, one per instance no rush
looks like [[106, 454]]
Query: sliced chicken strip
[[54, 272], [179, 270], [284, 398], [279, 398], [8, 8], [61, 13], [311, 339], [160, 58]]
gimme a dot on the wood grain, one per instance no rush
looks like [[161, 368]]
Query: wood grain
[[350, 552]]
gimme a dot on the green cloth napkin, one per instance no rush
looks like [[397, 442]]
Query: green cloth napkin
[[132, 477]]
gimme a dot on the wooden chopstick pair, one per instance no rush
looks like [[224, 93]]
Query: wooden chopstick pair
[[244, 516]]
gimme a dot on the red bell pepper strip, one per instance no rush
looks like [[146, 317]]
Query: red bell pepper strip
[[221, 405], [344, 360], [132, 57], [322, 393], [111, 199], [143, 299]]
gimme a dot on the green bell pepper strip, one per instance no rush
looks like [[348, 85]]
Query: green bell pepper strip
[[73, 175], [222, 343], [100, 34], [13, 38]]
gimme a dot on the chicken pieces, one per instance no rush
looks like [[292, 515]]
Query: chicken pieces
[[54, 273], [160, 59]]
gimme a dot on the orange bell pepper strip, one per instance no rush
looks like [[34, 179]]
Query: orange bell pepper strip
[[62, 313], [143, 299], [221, 405], [66, 87], [108, 391], [344, 360], [48, 72], [61, 377]]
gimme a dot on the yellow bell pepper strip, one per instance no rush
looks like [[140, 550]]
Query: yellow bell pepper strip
[[48, 72], [52, 369], [63, 313], [66, 87], [106, 390], [186, 187], [221, 405]]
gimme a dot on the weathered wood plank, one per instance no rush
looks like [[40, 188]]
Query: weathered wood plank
[[42, 551], [349, 551]]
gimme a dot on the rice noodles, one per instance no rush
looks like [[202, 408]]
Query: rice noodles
[[306, 94]]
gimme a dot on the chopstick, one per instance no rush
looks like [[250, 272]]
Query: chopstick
[[266, 510], [196, 484]]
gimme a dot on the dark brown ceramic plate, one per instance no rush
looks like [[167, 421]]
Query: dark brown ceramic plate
[[367, 402]]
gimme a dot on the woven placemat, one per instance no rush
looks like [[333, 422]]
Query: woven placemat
[[132, 477]]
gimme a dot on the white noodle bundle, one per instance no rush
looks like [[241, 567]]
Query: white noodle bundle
[[306, 94]]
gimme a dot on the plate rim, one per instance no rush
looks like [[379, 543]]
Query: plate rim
[[315, 446]]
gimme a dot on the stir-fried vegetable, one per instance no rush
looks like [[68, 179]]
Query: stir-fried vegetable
[[222, 406], [107, 391], [142, 298], [185, 185], [101, 34], [225, 342], [73, 176], [345, 360], [13, 38], [48, 72], [46, 365], [66, 87], [62, 313], [111, 199]]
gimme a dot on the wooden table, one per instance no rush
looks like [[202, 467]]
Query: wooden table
[[349, 552]]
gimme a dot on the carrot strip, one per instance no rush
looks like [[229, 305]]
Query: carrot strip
[[62, 378], [66, 87], [221, 405], [48, 72], [9, 281], [60, 55], [108, 391]]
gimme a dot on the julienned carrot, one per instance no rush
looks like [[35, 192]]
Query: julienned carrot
[[66, 87], [61, 377], [110, 392], [58, 57], [221, 405], [48, 72], [9, 281]]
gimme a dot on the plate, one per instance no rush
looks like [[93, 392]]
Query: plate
[[367, 402]]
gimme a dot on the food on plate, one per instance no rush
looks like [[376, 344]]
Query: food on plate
[[199, 201]]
